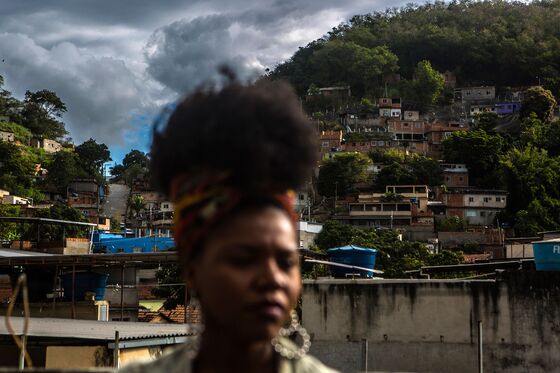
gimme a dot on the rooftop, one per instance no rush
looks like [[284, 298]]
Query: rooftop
[[95, 330]]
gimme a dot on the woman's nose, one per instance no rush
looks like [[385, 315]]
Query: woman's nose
[[269, 275]]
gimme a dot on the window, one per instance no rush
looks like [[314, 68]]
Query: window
[[498, 199], [471, 199], [325, 144], [405, 124], [470, 213], [460, 178], [483, 213], [418, 125], [487, 199], [302, 197]]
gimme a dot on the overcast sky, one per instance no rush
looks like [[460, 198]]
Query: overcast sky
[[115, 63]]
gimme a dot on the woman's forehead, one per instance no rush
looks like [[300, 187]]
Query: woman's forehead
[[264, 226]]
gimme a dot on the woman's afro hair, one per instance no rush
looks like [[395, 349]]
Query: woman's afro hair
[[256, 132]]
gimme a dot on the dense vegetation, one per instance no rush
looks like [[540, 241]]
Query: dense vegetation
[[484, 42], [394, 257]]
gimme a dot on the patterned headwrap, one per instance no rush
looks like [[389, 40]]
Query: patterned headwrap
[[204, 199]]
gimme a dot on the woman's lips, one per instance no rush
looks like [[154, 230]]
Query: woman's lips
[[269, 310]]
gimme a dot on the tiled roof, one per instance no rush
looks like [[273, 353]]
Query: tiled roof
[[176, 315], [472, 258]]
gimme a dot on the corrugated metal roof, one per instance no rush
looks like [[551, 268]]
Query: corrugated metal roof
[[95, 330], [9, 253]]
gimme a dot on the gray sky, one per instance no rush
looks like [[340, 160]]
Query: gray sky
[[114, 63]]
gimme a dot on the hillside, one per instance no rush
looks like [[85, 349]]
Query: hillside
[[484, 43]]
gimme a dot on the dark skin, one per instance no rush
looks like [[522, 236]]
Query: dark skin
[[248, 280]]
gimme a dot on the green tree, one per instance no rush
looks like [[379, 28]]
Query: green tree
[[394, 174], [168, 277], [532, 131], [92, 156], [426, 171], [394, 256], [480, 151], [9, 231], [427, 85], [8, 104], [16, 170], [533, 180], [486, 122], [334, 234], [64, 168], [349, 63], [137, 204], [495, 42], [552, 138], [41, 113], [57, 232], [134, 158], [539, 101], [338, 176]]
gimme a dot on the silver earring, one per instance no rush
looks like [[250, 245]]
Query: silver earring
[[295, 327]]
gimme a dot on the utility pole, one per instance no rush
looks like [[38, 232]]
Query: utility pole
[[335, 194]]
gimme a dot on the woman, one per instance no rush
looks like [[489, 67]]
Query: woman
[[229, 159]]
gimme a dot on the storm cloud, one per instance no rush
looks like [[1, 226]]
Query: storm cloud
[[112, 62]]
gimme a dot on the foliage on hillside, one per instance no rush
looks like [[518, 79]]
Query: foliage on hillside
[[394, 257], [483, 42], [39, 115], [21, 133]]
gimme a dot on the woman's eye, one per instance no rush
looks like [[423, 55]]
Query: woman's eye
[[287, 262], [241, 261]]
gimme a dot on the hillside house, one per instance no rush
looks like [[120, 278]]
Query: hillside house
[[355, 120], [476, 93], [449, 79], [481, 108], [342, 91], [507, 108], [3, 193], [307, 232], [408, 206], [85, 195], [389, 107], [49, 146], [15, 200], [474, 206], [406, 130], [436, 133], [455, 174], [329, 141], [411, 115], [7, 136]]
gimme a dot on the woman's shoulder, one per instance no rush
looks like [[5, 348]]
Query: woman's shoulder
[[305, 364], [309, 364]]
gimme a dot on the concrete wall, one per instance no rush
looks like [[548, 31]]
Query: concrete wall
[[76, 357], [431, 325], [519, 250]]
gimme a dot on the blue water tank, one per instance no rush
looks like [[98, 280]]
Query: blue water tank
[[352, 255], [547, 255], [85, 281]]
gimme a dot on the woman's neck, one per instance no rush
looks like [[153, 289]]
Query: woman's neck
[[220, 352]]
